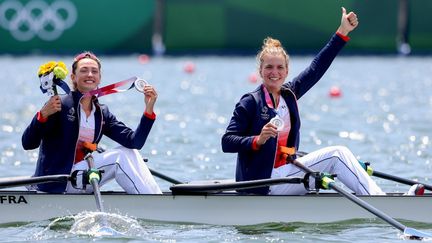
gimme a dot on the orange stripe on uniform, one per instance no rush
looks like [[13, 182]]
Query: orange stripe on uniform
[[282, 155], [90, 146], [287, 150]]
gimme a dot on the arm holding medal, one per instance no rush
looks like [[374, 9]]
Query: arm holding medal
[[68, 122], [150, 96]]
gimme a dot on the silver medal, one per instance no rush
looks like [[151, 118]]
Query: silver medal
[[139, 84], [278, 122]]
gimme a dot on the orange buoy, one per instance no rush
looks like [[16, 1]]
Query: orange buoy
[[143, 58], [253, 78], [335, 92], [189, 67]]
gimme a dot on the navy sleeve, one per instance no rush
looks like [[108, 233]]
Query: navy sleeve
[[35, 131], [124, 135], [237, 137]]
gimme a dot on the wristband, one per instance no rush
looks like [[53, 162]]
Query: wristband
[[150, 116], [255, 146], [40, 118], [343, 37]]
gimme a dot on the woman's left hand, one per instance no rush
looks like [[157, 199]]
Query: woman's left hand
[[349, 22], [150, 96]]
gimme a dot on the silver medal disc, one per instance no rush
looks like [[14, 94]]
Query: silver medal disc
[[278, 122], [139, 84]]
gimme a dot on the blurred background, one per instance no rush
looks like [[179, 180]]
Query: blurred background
[[176, 27]]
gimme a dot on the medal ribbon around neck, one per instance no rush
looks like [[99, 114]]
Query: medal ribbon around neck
[[277, 120], [136, 82]]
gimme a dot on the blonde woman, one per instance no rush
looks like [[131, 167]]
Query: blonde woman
[[266, 122]]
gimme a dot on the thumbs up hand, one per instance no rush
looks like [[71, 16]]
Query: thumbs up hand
[[349, 22]]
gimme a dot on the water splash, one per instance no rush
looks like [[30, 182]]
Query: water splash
[[94, 224]]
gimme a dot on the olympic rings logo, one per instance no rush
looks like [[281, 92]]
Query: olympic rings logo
[[37, 18]]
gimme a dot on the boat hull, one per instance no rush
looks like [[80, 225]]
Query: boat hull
[[219, 209]]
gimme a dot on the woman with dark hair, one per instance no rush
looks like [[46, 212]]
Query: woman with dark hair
[[66, 123]]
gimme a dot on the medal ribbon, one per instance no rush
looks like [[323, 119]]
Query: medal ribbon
[[112, 88]]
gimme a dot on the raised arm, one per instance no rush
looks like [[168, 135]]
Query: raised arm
[[322, 61]]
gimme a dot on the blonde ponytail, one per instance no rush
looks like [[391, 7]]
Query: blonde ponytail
[[272, 47]]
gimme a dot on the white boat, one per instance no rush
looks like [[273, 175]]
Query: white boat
[[215, 208]]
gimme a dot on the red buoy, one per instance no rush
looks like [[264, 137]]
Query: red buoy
[[253, 78], [335, 92], [143, 58], [189, 67]]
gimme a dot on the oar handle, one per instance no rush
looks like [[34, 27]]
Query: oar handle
[[90, 161]]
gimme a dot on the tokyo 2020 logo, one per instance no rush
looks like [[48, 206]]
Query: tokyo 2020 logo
[[37, 18]]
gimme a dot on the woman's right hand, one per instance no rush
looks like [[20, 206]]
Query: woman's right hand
[[52, 106], [268, 131]]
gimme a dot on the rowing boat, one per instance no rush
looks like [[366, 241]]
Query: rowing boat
[[225, 208], [216, 202]]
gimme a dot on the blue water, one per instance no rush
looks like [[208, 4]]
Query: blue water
[[384, 116]]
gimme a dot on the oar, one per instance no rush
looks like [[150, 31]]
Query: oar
[[162, 176], [372, 172], [93, 175], [165, 177], [217, 186], [27, 180], [383, 175], [330, 183]]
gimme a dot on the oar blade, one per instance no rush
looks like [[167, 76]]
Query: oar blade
[[411, 233]]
